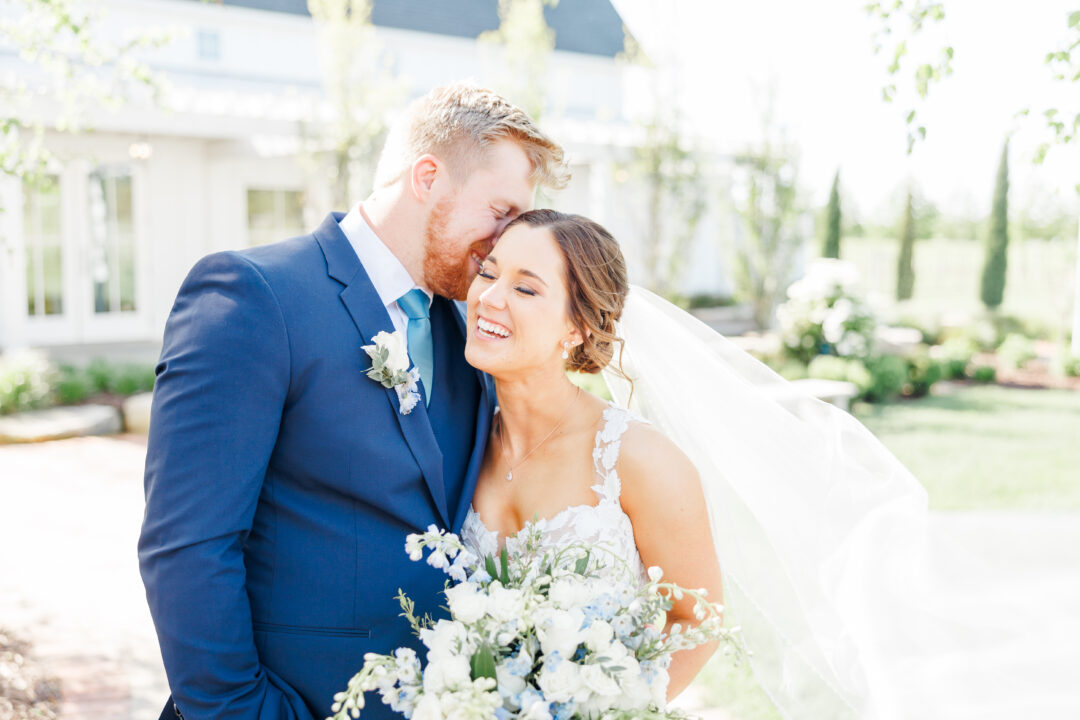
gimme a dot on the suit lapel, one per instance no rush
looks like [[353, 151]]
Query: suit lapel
[[369, 315], [483, 429]]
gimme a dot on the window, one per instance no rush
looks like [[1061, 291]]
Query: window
[[209, 45], [112, 240], [41, 227], [274, 215]]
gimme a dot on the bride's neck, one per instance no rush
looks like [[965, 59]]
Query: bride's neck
[[530, 408]]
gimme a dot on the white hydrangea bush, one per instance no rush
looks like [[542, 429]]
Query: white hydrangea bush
[[543, 634], [825, 314]]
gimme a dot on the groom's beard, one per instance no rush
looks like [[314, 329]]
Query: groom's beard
[[444, 273]]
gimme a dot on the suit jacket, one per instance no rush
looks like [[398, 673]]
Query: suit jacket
[[281, 481]]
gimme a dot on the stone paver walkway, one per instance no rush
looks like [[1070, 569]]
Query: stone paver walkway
[[70, 513]]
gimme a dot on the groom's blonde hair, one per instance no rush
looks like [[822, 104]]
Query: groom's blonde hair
[[458, 123]]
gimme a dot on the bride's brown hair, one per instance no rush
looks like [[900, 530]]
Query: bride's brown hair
[[596, 282]]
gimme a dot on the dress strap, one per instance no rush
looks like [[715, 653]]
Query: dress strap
[[606, 451]]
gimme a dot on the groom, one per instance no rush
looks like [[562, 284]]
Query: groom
[[281, 480]]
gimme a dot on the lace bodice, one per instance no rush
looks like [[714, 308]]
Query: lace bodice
[[602, 524]]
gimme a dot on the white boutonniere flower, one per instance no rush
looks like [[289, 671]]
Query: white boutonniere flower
[[390, 368]]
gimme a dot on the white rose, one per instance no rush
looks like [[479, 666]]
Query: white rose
[[466, 604], [505, 604], [509, 683], [568, 592], [395, 343], [447, 673], [563, 683], [561, 632], [598, 636], [598, 681], [446, 639]]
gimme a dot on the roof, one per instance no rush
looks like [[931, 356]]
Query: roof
[[593, 27]]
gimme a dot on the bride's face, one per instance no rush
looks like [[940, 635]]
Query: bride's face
[[517, 306]]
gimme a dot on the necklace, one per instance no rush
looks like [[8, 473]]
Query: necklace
[[502, 442]]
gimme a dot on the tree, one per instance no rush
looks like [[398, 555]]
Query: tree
[[899, 25], [343, 148], [992, 287], [766, 250], [526, 42], [830, 247], [79, 69], [905, 270], [668, 166]]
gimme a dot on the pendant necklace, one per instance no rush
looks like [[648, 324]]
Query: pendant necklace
[[502, 442]]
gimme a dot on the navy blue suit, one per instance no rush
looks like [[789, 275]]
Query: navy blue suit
[[281, 481]]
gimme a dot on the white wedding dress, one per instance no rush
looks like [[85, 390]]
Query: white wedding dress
[[604, 524]]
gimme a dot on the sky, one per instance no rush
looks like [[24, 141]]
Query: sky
[[815, 61]]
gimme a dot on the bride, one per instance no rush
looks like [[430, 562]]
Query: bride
[[852, 604], [546, 301]]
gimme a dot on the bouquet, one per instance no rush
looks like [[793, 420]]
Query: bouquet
[[541, 634]]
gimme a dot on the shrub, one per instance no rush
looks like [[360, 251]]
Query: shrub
[[984, 374], [72, 386], [825, 315], [25, 380], [852, 370], [1067, 364], [792, 370], [100, 375], [922, 372], [124, 379], [131, 379], [955, 356], [1016, 351], [889, 373], [930, 330]]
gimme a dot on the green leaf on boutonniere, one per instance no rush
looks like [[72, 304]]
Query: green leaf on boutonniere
[[489, 565]]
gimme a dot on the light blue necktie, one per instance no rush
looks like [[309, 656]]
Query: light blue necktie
[[416, 305]]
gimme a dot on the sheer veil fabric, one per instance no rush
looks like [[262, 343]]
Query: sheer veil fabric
[[853, 603]]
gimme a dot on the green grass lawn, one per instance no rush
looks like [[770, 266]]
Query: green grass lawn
[[987, 447]]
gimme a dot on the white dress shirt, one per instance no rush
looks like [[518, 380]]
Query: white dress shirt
[[388, 275]]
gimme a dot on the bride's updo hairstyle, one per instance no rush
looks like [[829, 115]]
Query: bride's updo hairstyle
[[596, 283]]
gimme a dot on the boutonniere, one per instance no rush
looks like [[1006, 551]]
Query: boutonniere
[[390, 368]]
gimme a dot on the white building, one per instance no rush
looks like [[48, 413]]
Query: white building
[[90, 263]]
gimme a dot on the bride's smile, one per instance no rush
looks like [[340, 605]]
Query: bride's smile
[[517, 308]]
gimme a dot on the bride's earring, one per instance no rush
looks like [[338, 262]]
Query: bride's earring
[[565, 348]]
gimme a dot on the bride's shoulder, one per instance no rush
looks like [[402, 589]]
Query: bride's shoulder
[[652, 467]]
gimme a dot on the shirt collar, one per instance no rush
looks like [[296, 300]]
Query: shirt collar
[[387, 274]]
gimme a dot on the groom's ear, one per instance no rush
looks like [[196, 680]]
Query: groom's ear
[[424, 173]]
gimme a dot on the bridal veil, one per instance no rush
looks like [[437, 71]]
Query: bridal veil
[[853, 603]]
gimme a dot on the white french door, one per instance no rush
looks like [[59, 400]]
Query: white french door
[[85, 255]]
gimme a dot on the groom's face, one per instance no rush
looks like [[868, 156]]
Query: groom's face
[[467, 217]]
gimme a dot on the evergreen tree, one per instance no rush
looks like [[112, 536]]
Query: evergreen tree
[[830, 246], [905, 270], [992, 289]]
